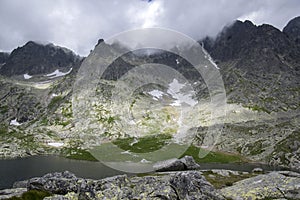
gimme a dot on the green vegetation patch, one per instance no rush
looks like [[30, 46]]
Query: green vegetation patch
[[78, 154], [212, 157], [67, 111], [55, 101], [143, 144], [32, 195], [219, 181], [256, 148], [64, 123], [259, 109], [3, 109], [3, 129], [285, 146], [44, 121]]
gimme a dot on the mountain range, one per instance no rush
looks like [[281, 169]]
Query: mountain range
[[260, 67]]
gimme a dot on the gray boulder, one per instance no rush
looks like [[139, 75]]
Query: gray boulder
[[189, 163], [192, 185], [57, 183], [274, 185], [185, 163]]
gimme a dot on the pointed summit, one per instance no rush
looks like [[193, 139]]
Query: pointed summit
[[292, 29]]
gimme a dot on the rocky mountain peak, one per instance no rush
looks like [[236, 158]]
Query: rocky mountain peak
[[35, 59], [244, 40], [292, 29], [260, 59], [230, 41], [99, 41]]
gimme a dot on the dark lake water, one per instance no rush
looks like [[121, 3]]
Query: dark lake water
[[25, 168]]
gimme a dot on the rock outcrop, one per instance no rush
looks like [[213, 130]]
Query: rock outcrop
[[185, 163], [282, 184], [14, 192], [166, 185], [176, 185]]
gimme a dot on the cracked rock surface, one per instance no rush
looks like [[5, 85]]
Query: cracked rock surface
[[176, 185], [281, 184]]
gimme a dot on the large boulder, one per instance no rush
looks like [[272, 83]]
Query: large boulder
[[185, 163], [57, 183]]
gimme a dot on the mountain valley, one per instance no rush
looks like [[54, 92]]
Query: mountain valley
[[260, 67]]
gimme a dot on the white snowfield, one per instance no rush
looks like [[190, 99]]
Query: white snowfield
[[14, 122], [54, 74], [27, 76], [156, 94], [55, 144], [58, 73], [175, 91]]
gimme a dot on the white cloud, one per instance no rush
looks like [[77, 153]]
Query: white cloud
[[78, 24]]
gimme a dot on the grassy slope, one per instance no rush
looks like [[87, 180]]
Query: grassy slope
[[153, 143]]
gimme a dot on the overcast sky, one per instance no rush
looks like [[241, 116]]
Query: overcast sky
[[78, 24]]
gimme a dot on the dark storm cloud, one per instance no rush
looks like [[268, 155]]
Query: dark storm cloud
[[78, 24]]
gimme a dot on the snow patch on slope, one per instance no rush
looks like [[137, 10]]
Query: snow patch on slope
[[156, 94], [175, 90], [208, 57], [58, 73], [55, 144], [14, 122], [27, 76]]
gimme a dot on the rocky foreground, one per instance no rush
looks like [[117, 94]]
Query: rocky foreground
[[164, 185]]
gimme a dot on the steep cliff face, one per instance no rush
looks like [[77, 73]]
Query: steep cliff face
[[3, 57], [248, 42], [292, 29], [260, 65]]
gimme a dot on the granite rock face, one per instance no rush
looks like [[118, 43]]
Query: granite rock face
[[3, 57]]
